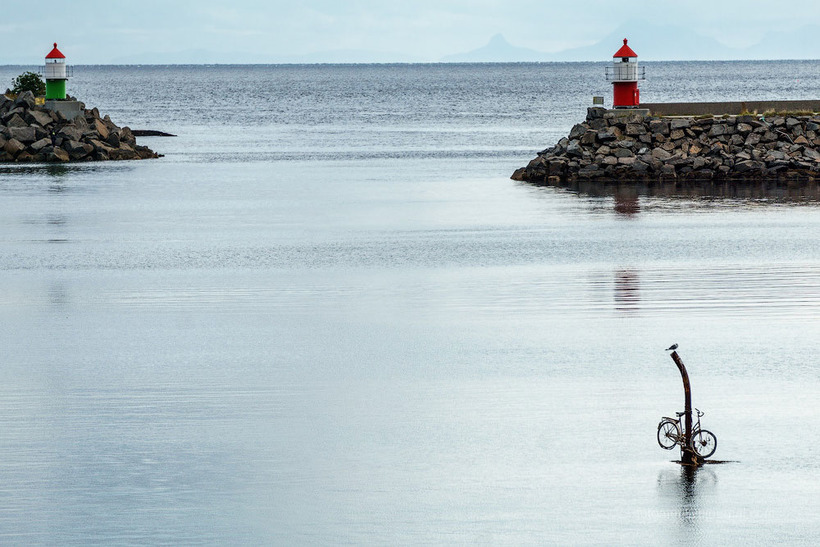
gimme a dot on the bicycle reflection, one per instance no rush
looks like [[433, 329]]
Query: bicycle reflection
[[685, 489]]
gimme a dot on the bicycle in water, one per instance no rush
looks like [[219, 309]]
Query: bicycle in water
[[670, 434]]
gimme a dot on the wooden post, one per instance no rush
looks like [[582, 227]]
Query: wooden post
[[688, 455]]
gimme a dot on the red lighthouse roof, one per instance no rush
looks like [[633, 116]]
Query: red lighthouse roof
[[625, 51], [55, 53]]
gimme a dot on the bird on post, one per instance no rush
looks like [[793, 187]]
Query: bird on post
[[673, 347]]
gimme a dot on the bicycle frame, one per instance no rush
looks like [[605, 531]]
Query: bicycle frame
[[671, 434], [677, 422]]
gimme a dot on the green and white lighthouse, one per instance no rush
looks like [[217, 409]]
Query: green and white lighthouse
[[56, 74]]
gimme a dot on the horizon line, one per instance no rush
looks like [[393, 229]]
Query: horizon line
[[349, 63]]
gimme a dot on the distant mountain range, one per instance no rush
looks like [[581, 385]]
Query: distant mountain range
[[657, 43], [498, 50], [651, 42]]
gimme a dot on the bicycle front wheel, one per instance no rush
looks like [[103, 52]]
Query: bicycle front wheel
[[668, 434], [705, 443]]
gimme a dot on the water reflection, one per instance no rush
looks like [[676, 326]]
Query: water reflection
[[60, 169], [685, 489], [26, 170], [627, 291], [53, 177], [627, 202], [56, 224], [58, 294], [627, 194], [56, 170]]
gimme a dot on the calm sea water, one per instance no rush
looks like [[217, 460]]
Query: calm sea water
[[328, 316]]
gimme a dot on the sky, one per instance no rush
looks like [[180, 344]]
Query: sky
[[101, 32]]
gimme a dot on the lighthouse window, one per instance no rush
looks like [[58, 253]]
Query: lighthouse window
[[625, 60]]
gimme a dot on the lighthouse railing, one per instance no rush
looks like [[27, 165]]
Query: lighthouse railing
[[54, 71], [628, 73]]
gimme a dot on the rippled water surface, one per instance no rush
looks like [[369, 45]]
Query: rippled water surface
[[328, 316]]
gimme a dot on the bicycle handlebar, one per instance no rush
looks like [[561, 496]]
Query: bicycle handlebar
[[679, 414]]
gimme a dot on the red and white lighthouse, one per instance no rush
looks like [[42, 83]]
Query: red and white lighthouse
[[624, 74], [56, 74]]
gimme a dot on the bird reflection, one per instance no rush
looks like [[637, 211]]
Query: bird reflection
[[627, 290]]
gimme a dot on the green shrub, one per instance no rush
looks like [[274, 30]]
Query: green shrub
[[29, 81]]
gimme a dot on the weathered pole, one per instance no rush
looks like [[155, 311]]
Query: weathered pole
[[688, 455]]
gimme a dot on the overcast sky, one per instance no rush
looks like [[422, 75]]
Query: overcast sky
[[93, 31]]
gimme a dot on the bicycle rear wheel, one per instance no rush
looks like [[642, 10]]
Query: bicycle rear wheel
[[704, 442], [668, 434]]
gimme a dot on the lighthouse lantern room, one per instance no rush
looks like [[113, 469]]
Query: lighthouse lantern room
[[56, 73], [624, 75]]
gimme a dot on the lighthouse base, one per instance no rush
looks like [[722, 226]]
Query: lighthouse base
[[69, 109]]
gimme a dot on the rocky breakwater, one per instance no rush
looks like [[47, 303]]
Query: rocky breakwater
[[31, 133], [620, 146]]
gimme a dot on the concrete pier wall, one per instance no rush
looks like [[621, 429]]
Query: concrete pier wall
[[730, 108]]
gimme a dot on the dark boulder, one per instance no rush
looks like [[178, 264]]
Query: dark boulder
[[39, 145], [77, 150], [71, 133], [127, 137], [58, 155], [25, 99], [575, 132], [13, 119], [23, 134], [14, 147], [113, 139], [39, 117]]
